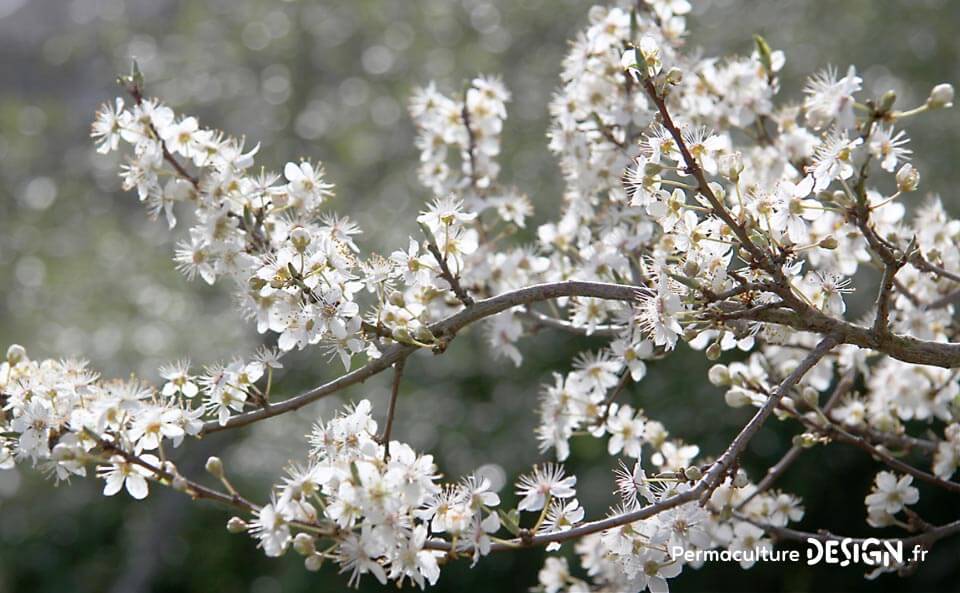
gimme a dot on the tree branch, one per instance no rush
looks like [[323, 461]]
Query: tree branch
[[904, 348], [773, 474], [394, 392], [446, 328], [715, 474], [446, 274]]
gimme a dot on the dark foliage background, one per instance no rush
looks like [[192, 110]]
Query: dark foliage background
[[84, 273]]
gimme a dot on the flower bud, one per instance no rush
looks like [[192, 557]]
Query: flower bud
[[731, 165], [714, 351], [214, 467], [313, 562], [401, 334], [828, 243], [16, 353], [300, 239], [303, 544], [908, 178], [236, 525], [737, 398], [718, 190], [887, 100], [941, 96], [741, 479], [691, 268], [423, 334], [396, 298], [692, 473], [674, 76], [719, 375], [629, 59], [811, 397], [179, 483]]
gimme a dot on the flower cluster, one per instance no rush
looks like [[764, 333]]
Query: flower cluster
[[383, 508], [57, 412], [638, 556]]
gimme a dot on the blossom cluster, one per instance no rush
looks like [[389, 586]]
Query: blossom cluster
[[58, 412], [637, 556]]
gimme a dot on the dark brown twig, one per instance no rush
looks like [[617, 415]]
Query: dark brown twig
[[391, 411]]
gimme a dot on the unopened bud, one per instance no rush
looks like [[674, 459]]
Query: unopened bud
[[805, 440], [313, 563], [828, 243], [714, 351], [396, 299], [651, 169], [16, 353], [214, 467], [718, 190], [423, 334], [887, 100], [741, 479], [692, 473], [719, 375], [737, 398], [180, 483], [300, 239], [941, 96], [731, 165], [691, 268], [674, 76], [236, 525], [303, 544], [908, 178], [629, 59], [401, 334], [811, 397]]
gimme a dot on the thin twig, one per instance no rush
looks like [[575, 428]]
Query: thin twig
[[542, 319], [718, 470], [836, 432], [614, 393], [471, 140], [776, 471], [446, 274], [391, 411], [137, 95]]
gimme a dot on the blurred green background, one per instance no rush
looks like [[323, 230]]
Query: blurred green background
[[85, 273]]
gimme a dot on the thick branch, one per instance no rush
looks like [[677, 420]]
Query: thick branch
[[447, 327], [904, 348]]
